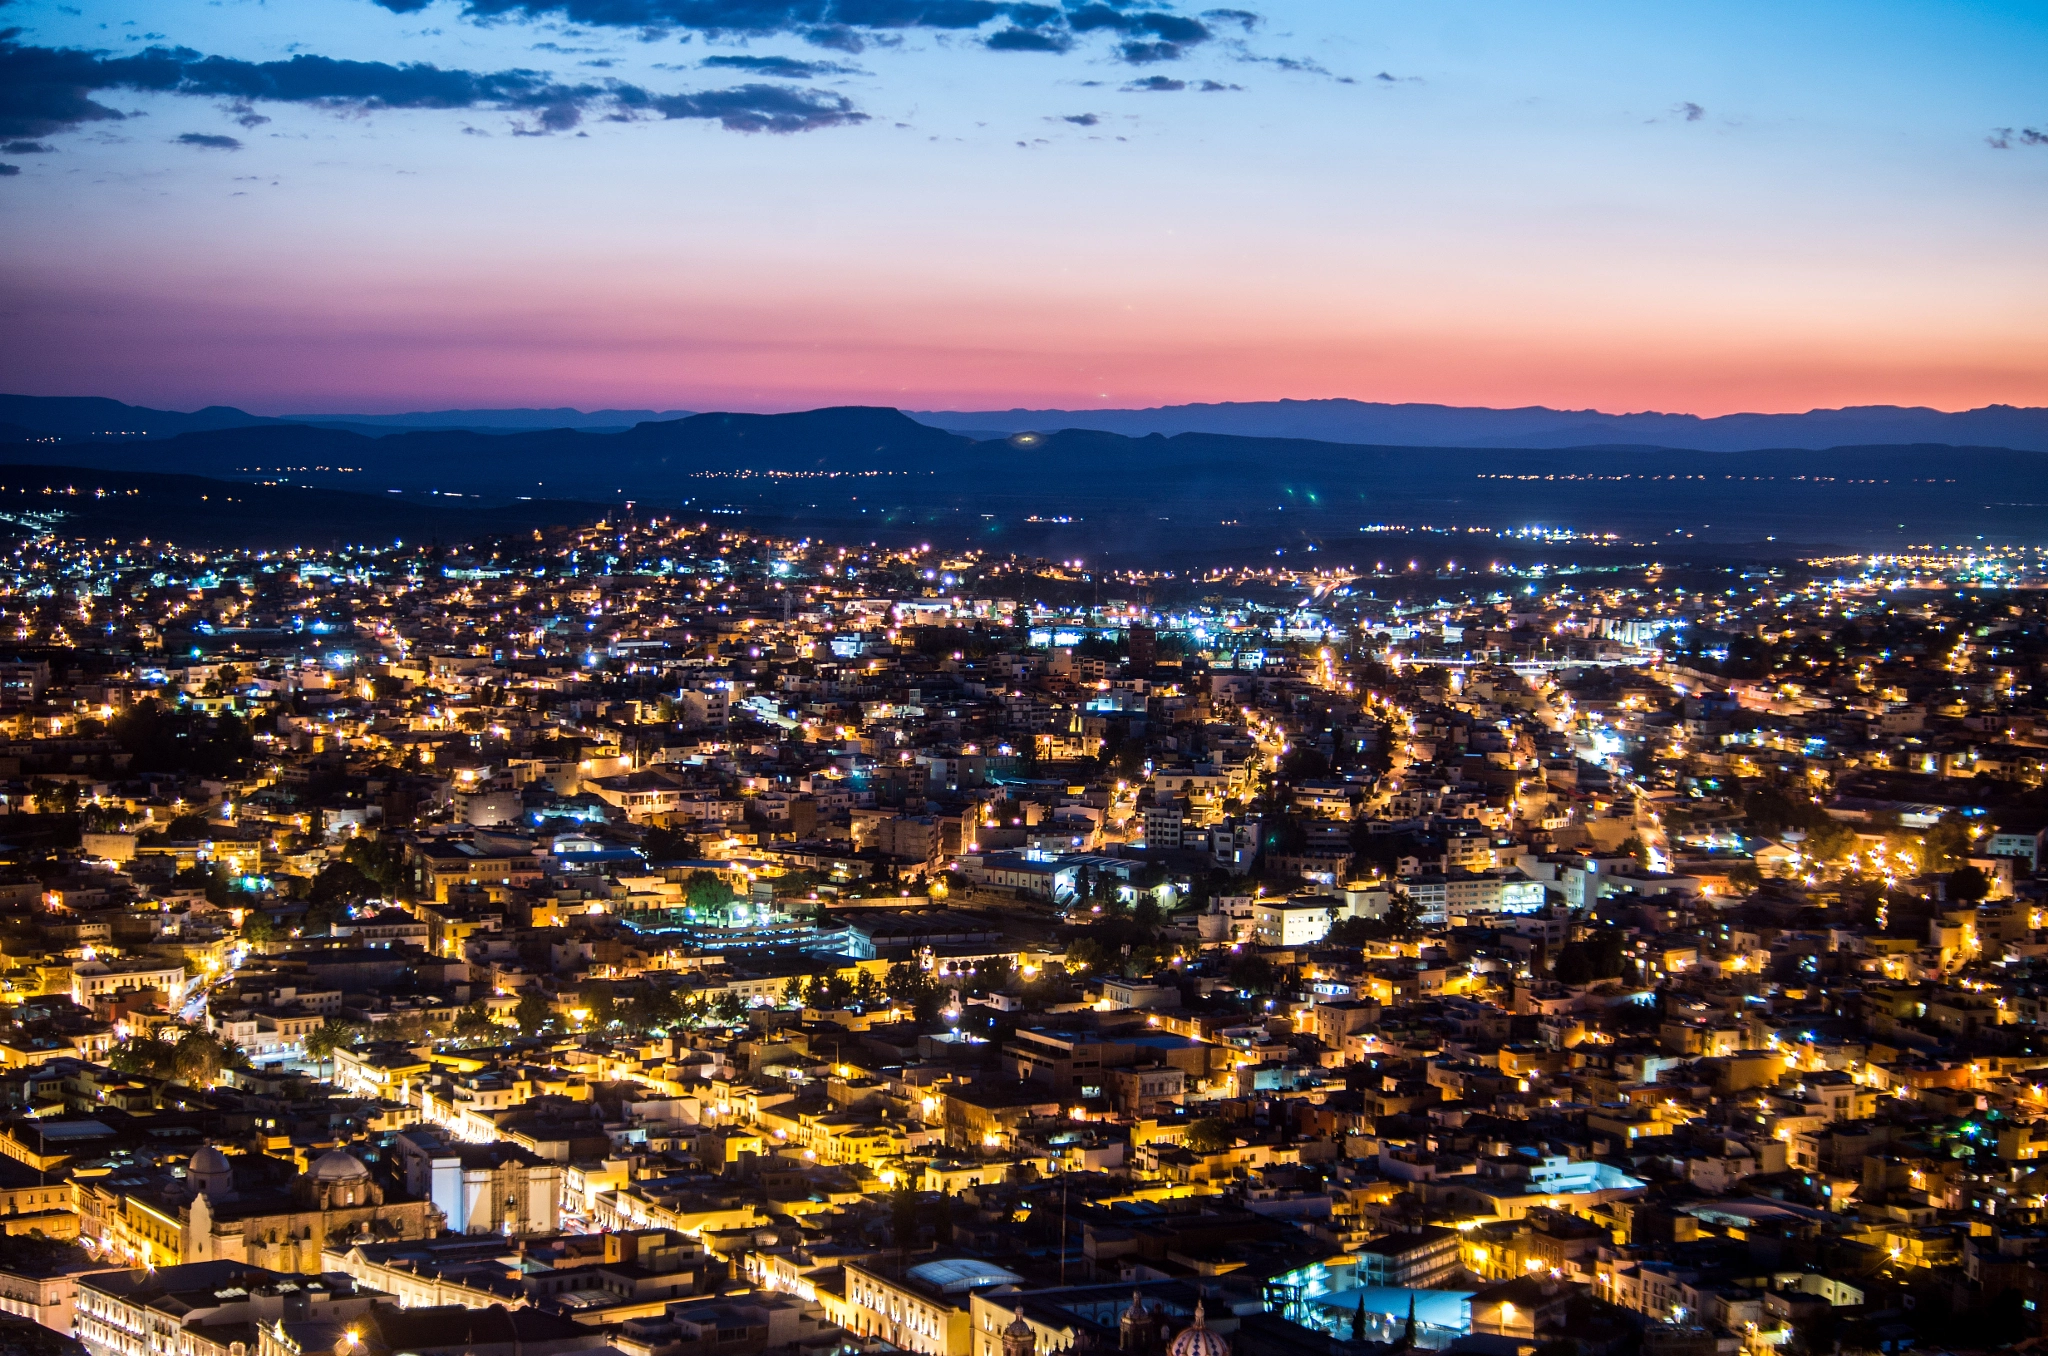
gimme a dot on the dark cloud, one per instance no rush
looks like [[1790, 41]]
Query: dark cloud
[[211, 143], [1690, 111], [788, 68], [7, 171], [2005, 138], [1081, 119], [1149, 35], [26, 148], [1156, 84], [44, 90], [1145, 35], [1014, 39], [750, 108]]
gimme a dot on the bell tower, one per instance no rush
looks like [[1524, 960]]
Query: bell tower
[[1018, 1338]]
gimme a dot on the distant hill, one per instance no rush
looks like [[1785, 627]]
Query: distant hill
[[648, 458], [197, 511], [94, 417], [1534, 426], [595, 421], [858, 472]]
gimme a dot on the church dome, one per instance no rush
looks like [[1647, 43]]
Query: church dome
[[336, 1166], [1197, 1340], [210, 1173]]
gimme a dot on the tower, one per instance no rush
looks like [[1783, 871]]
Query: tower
[[1018, 1338]]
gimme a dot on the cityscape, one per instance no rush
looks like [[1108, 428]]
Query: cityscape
[[1023, 678], [664, 936]]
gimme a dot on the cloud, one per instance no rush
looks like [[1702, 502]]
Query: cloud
[[1145, 35], [2003, 138], [1149, 35], [751, 108], [1691, 111], [788, 68], [8, 171], [1300, 65], [1081, 119], [1156, 84], [212, 143], [45, 90], [26, 148], [1014, 39]]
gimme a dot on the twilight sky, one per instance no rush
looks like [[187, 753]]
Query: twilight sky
[[381, 205]]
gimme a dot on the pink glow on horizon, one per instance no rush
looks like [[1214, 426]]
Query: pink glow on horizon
[[411, 343]]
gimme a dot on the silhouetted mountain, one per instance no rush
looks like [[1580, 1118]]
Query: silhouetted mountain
[[1535, 426], [648, 458], [196, 511], [96, 417], [865, 472], [594, 421]]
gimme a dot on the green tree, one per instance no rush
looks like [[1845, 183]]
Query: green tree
[[258, 927], [474, 1023], [533, 1012], [909, 985], [331, 1035], [708, 892], [1211, 1134]]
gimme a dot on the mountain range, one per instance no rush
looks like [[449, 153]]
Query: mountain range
[[859, 473], [76, 417], [1337, 421], [1534, 426]]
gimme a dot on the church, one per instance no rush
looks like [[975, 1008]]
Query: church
[[234, 1216]]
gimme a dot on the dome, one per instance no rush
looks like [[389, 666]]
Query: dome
[[210, 1174], [1197, 1340], [336, 1166], [1018, 1327]]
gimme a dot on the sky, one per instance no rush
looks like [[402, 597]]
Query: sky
[[311, 206]]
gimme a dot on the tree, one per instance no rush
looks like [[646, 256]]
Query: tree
[[707, 891], [1211, 1134], [1253, 973], [1572, 967], [1745, 876], [867, 991], [333, 1034], [1947, 845], [533, 1012], [1967, 885], [1352, 932], [474, 1023], [377, 860], [910, 985], [258, 927]]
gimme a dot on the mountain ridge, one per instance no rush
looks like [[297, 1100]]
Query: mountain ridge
[[1531, 426], [1338, 420]]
